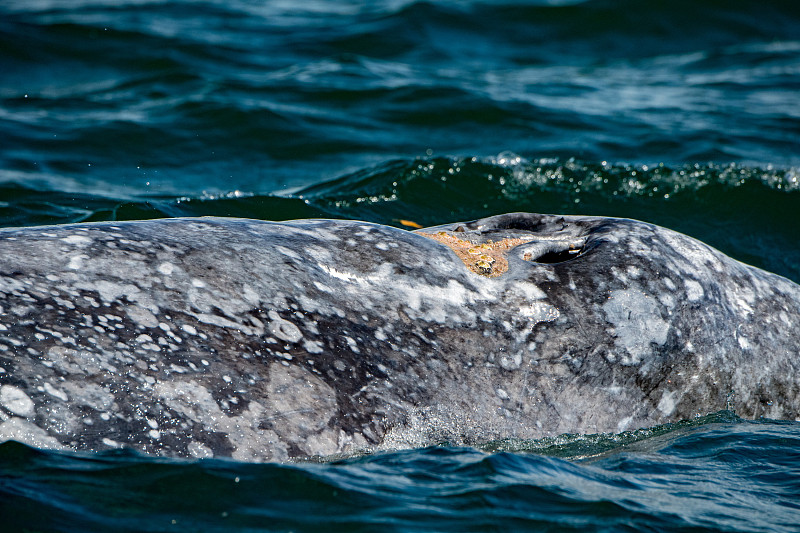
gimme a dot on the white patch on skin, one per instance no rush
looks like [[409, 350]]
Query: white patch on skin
[[698, 255], [198, 283], [64, 303], [428, 302], [511, 361], [435, 298], [304, 405], [166, 268], [694, 291], [111, 443], [748, 294], [199, 450], [636, 322], [539, 312], [744, 343], [215, 320], [188, 328], [529, 291], [89, 395], [77, 239], [312, 346], [319, 254], [352, 344], [195, 402], [141, 316], [9, 285], [322, 287], [667, 402], [23, 431], [283, 329], [742, 305], [76, 262], [250, 295], [54, 392], [287, 252], [345, 276], [317, 305], [111, 292], [16, 401], [666, 299]]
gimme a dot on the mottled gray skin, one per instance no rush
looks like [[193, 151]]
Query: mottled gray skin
[[273, 341]]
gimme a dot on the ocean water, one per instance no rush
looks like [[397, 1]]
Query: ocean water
[[718, 473], [682, 113]]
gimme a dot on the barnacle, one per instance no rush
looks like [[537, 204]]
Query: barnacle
[[485, 267]]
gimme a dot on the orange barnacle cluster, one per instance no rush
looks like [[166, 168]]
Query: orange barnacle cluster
[[487, 259]]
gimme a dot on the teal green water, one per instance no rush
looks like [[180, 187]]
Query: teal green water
[[680, 113], [750, 213]]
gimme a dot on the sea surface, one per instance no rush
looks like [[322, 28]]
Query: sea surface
[[683, 113]]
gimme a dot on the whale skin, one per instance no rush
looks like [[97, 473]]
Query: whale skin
[[268, 341]]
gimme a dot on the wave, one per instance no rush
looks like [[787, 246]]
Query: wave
[[717, 473], [188, 97], [747, 212]]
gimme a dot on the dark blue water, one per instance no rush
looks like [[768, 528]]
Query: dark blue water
[[683, 113], [715, 474], [153, 97]]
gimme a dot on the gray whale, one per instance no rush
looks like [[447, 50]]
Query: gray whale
[[268, 341]]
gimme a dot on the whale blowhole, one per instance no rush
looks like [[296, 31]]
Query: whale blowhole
[[557, 255]]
